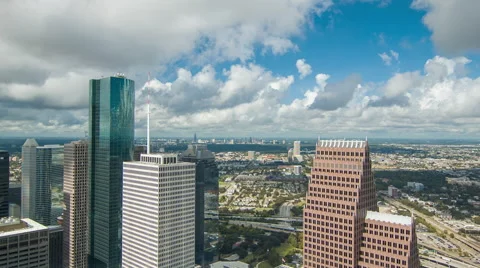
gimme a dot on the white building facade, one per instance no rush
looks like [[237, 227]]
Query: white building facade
[[158, 217]]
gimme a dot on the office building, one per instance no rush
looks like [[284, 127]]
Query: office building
[[158, 212], [139, 150], [15, 193], [74, 220], [206, 202], [4, 182], [111, 132], [290, 155], [341, 210], [14, 210], [23, 243], [55, 246], [393, 192], [296, 148], [41, 166], [388, 241], [251, 155], [415, 186], [297, 170]]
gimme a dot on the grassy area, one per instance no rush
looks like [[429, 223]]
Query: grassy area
[[265, 264], [285, 249]]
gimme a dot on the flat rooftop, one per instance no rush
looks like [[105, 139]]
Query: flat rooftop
[[385, 217], [13, 226], [341, 143]]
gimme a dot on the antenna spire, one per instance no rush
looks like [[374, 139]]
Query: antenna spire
[[148, 114]]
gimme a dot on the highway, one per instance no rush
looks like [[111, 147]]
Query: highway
[[438, 261], [472, 246], [466, 244], [284, 228]]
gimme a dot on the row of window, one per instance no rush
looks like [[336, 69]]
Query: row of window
[[386, 228], [339, 171], [334, 197], [357, 154], [385, 249]]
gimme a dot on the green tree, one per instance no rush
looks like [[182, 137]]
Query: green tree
[[274, 258], [300, 240], [292, 240]]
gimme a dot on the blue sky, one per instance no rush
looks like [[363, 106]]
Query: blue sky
[[382, 68]]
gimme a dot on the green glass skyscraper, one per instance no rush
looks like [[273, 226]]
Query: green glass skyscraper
[[111, 134]]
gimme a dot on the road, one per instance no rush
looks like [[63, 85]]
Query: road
[[285, 208], [284, 228], [438, 261]]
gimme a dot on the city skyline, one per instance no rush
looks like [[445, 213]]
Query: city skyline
[[393, 71]]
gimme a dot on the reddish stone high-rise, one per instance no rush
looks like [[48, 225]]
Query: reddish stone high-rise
[[340, 206]]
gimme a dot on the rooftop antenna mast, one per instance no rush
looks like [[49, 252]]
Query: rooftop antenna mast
[[148, 114]]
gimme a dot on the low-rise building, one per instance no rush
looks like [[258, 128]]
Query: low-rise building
[[23, 243], [393, 192]]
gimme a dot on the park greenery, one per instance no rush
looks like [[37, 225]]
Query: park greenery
[[256, 246]]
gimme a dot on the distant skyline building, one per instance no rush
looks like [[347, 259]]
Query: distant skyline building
[[206, 202], [342, 227], [4, 183], [296, 148], [75, 188], [41, 165], [111, 142], [195, 138], [23, 243], [158, 212]]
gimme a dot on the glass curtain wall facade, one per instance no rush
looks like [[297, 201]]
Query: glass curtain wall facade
[[206, 202], [4, 182], [41, 165], [111, 142]]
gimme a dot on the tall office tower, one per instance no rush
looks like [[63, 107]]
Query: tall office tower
[[195, 138], [206, 202], [75, 187], [41, 165], [296, 148], [340, 203], [23, 243], [4, 182], [111, 133], [158, 212], [55, 246]]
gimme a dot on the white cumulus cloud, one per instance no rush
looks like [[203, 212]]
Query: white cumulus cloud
[[304, 69]]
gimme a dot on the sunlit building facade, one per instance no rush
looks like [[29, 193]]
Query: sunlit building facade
[[341, 208], [75, 189], [158, 212]]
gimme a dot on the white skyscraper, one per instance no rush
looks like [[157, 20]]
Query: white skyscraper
[[75, 189], [296, 148], [158, 217]]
